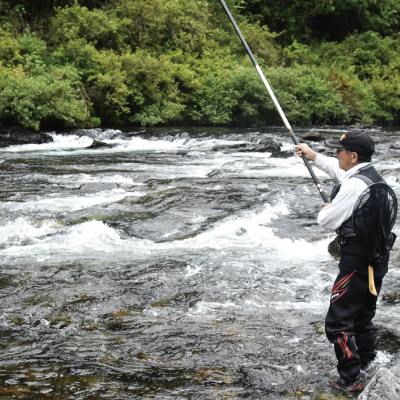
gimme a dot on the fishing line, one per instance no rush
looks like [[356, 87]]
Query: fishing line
[[277, 105]]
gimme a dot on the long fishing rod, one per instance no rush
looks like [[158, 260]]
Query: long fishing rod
[[277, 105]]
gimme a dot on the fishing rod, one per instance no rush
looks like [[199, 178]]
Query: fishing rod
[[277, 105]]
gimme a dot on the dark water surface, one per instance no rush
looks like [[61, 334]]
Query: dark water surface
[[163, 269]]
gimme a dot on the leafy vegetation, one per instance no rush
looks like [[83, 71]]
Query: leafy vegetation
[[87, 63]]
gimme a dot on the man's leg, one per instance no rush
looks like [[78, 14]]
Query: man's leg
[[347, 299], [363, 326]]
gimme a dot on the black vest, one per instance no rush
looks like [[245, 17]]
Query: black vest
[[369, 175]]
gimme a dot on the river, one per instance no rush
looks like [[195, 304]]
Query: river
[[162, 268]]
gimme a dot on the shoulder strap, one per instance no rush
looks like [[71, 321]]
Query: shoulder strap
[[369, 175], [363, 178]]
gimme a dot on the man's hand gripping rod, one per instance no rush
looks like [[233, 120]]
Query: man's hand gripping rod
[[271, 93]]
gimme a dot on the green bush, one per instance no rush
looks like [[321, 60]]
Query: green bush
[[9, 49], [102, 29], [308, 21], [179, 61], [364, 70], [39, 101], [315, 100], [240, 97]]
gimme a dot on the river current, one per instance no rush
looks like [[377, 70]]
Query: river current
[[165, 267]]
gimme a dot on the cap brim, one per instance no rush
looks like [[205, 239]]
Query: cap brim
[[334, 144]]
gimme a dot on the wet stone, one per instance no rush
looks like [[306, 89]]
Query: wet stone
[[312, 136], [265, 145], [97, 144], [385, 385], [266, 378], [395, 146], [19, 136], [97, 186], [388, 339]]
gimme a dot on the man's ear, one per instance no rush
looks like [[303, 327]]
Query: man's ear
[[354, 157]]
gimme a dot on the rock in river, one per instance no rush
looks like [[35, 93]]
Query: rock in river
[[97, 144], [97, 186], [312, 136], [18, 136], [385, 385], [265, 145]]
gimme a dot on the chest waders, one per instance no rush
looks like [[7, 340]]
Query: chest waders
[[366, 239]]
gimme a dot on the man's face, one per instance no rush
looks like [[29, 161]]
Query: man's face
[[347, 159]]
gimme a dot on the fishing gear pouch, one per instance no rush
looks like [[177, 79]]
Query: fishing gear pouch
[[380, 251]]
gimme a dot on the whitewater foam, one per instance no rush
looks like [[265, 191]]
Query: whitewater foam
[[55, 204]]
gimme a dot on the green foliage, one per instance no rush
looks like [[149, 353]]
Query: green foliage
[[365, 70], [104, 30], [155, 62], [39, 101], [261, 41], [33, 51], [9, 49], [158, 87], [310, 20], [308, 96], [240, 97], [163, 25], [18, 15], [11, 14]]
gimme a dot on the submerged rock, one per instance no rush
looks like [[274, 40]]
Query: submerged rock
[[269, 145], [257, 148], [395, 146], [16, 136], [97, 144], [97, 186], [230, 147], [265, 145], [268, 378], [312, 136], [391, 298], [282, 154]]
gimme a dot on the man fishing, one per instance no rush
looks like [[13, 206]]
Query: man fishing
[[348, 323]]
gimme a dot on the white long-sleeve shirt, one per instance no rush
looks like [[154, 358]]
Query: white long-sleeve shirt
[[332, 216]]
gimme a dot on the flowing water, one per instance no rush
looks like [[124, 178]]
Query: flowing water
[[161, 268]]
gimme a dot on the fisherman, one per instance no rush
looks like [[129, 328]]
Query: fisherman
[[348, 323]]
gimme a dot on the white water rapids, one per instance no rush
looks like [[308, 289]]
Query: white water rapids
[[192, 267]]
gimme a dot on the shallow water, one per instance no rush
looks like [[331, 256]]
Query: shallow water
[[194, 274]]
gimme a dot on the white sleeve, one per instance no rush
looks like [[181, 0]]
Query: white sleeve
[[329, 165], [341, 208]]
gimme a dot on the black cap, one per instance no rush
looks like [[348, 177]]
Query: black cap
[[356, 140]]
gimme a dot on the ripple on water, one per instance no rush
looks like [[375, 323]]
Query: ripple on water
[[204, 275]]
